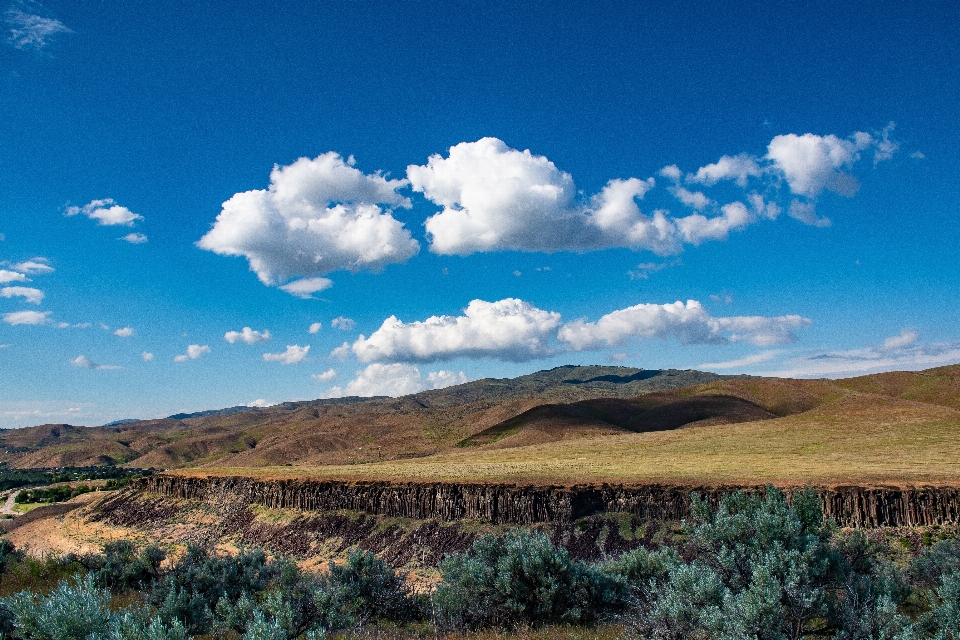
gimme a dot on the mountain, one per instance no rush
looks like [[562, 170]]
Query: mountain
[[561, 404]]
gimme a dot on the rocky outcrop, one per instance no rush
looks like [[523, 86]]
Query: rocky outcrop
[[523, 505]]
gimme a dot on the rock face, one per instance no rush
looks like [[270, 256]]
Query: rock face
[[850, 506]]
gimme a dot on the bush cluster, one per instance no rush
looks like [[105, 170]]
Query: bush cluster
[[52, 494], [752, 567]]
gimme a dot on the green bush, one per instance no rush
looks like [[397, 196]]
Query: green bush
[[79, 610], [190, 589], [520, 579], [366, 587], [121, 568]]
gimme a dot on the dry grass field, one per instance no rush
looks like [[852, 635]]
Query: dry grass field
[[573, 425], [829, 434]]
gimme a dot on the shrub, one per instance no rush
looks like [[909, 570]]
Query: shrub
[[75, 610], [121, 568], [520, 579], [200, 579], [366, 587]]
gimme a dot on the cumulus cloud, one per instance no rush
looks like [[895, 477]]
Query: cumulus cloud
[[905, 339], [315, 327], [259, 402], [517, 331], [12, 276], [35, 265], [27, 293], [84, 362], [106, 212], [897, 353], [394, 380], [134, 238], [812, 163], [147, 356], [317, 216], [343, 323], [687, 322], [329, 374], [29, 31], [125, 332], [247, 335], [27, 317], [509, 329], [738, 168], [194, 351], [495, 198], [294, 354], [306, 287], [342, 352]]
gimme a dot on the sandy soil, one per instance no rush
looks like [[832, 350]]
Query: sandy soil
[[68, 533]]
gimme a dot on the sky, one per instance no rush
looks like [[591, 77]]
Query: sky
[[245, 203]]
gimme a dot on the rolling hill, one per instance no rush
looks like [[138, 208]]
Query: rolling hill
[[599, 423], [341, 430]]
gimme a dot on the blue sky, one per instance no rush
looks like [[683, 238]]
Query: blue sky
[[245, 202]]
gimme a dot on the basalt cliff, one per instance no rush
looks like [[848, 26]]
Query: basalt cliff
[[849, 506]]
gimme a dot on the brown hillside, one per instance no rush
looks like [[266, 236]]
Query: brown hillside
[[555, 406]]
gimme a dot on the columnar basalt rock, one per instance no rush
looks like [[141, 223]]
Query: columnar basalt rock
[[850, 506]]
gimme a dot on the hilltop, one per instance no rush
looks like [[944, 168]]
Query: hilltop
[[570, 424], [330, 431]]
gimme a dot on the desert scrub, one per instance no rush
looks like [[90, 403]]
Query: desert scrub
[[519, 579]]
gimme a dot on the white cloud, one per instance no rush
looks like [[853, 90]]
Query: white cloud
[[247, 335], [315, 327], [698, 228], [27, 317], [812, 163], [316, 217], [259, 402], [515, 330], [343, 323], [643, 270], [84, 362], [738, 168], [147, 356], [34, 266], [806, 213], [905, 339], [27, 293], [106, 212], [740, 363], [496, 198], [194, 351], [898, 353], [394, 380], [294, 354], [689, 323], [29, 31], [329, 374], [342, 352], [509, 329], [125, 332], [134, 238], [12, 276], [443, 379], [306, 287]]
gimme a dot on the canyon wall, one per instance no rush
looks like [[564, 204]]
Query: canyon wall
[[850, 506]]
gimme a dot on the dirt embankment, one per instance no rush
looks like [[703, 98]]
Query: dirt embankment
[[850, 506]]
